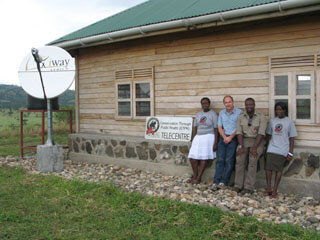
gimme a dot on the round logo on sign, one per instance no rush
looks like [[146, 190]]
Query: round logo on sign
[[152, 125]]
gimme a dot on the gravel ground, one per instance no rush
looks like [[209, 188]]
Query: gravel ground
[[304, 211]]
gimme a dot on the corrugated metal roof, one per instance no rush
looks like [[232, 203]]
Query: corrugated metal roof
[[157, 11]]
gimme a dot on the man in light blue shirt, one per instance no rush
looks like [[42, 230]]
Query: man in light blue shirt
[[227, 145]]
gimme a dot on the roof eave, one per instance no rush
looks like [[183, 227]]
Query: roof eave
[[272, 10]]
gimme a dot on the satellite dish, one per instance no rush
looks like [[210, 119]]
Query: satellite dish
[[57, 68]]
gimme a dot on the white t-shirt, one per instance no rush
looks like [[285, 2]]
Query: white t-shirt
[[280, 129]]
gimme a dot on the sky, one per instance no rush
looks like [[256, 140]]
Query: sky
[[33, 23]]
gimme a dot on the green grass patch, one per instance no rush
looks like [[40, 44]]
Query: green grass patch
[[10, 130], [49, 207]]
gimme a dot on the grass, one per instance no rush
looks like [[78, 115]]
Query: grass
[[10, 131], [49, 207]]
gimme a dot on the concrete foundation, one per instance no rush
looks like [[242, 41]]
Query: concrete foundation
[[301, 176], [49, 158]]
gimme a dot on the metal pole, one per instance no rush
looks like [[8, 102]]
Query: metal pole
[[21, 133], [50, 141]]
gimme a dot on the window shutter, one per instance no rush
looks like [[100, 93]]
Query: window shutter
[[300, 61]]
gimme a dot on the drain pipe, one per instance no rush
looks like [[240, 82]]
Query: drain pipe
[[279, 6]]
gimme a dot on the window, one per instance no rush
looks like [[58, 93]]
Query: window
[[293, 81], [134, 93]]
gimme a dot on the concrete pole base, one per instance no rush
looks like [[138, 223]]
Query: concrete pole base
[[49, 158]]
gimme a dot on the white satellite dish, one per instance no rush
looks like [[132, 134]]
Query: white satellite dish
[[57, 68]]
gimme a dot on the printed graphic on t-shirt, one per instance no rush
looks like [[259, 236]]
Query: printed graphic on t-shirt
[[203, 119], [278, 128]]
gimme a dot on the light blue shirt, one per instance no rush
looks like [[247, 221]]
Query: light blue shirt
[[229, 121]]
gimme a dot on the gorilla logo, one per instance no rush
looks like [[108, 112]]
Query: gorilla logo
[[278, 128], [152, 125]]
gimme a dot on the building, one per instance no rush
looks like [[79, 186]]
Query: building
[[161, 57]]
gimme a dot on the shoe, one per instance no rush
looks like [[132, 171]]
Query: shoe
[[221, 186], [236, 189], [246, 191], [214, 187]]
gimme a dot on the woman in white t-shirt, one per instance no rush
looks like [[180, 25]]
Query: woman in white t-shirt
[[281, 130], [204, 140]]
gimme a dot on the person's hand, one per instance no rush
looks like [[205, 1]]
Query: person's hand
[[240, 151], [227, 140], [289, 158], [253, 152]]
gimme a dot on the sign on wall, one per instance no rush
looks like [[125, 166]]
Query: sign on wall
[[169, 128]]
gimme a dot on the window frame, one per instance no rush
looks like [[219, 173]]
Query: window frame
[[131, 78], [292, 96], [123, 100]]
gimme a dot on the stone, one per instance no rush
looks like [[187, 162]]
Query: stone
[[144, 144], [294, 168], [88, 147], [282, 209], [94, 143], [123, 143], [165, 154], [49, 158], [109, 151], [142, 152], [78, 140], [118, 151], [11, 159], [114, 142], [313, 161], [312, 219], [157, 146], [184, 149], [83, 147], [174, 149], [181, 160], [130, 153], [100, 149], [152, 154], [304, 156], [309, 171], [99, 141], [105, 142], [75, 147]]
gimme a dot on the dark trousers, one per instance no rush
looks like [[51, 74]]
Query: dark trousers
[[226, 161]]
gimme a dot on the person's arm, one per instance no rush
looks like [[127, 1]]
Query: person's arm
[[194, 132], [221, 132], [240, 146], [215, 145], [291, 142], [268, 138]]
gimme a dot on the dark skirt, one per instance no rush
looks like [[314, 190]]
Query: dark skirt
[[275, 162]]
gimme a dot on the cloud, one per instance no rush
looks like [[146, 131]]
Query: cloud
[[33, 23]]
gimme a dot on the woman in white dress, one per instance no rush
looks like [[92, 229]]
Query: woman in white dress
[[204, 140]]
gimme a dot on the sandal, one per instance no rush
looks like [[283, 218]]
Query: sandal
[[190, 180], [273, 196], [195, 181], [267, 193]]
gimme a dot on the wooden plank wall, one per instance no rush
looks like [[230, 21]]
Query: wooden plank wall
[[189, 66]]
